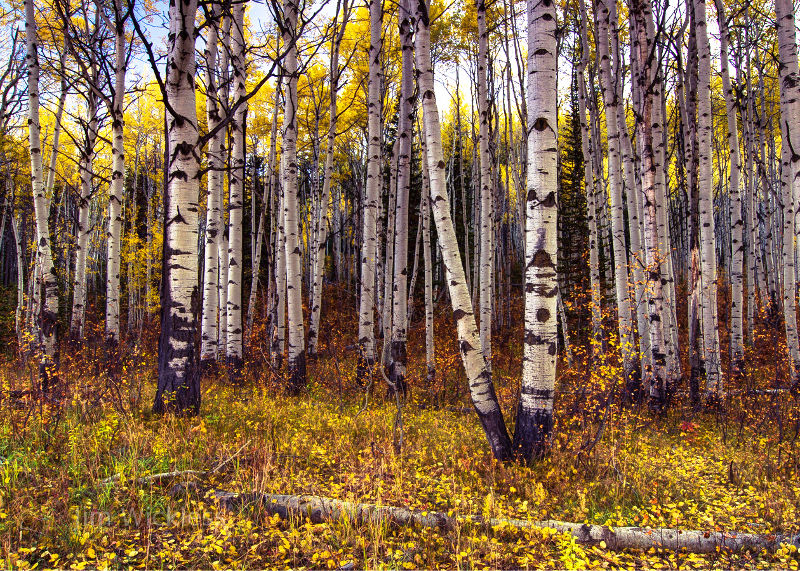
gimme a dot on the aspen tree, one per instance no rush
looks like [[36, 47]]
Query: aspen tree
[[603, 17], [278, 345], [787, 243], [268, 202], [656, 382], [86, 169], [589, 175], [236, 201], [208, 333], [737, 220], [399, 358], [45, 270], [366, 311], [425, 206], [708, 259], [478, 375], [178, 379], [535, 410], [294, 272], [789, 76], [486, 188], [117, 189], [323, 221]]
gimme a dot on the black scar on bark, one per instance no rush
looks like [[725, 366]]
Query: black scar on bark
[[532, 434], [542, 314], [533, 339], [297, 374], [458, 314], [541, 259], [398, 367], [549, 200], [540, 124]]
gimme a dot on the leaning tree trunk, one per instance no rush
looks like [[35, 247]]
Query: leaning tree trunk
[[46, 276], [366, 311], [208, 330], [486, 188], [478, 375], [116, 192], [294, 270], [399, 357], [708, 257], [178, 379], [535, 412], [236, 200]]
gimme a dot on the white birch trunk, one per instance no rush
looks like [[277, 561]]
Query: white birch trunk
[[178, 379], [45, 271], [478, 375], [399, 357], [535, 411], [366, 311], [737, 221], [117, 188], [208, 333], [486, 188], [294, 271], [236, 200], [86, 169], [708, 257], [603, 17], [790, 118]]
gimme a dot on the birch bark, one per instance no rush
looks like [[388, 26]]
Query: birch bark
[[399, 357], [486, 188], [296, 361], [603, 15], [116, 191], [45, 272], [323, 221], [479, 377], [236, 199], [366, 312], [737, 220], [708, 258], [535, 411], [178, 380], [208, 334]]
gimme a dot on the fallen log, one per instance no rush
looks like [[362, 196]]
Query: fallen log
[[155, 477], [320, 509], [177, 474]]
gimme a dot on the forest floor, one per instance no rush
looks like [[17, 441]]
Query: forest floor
[[62, 506]]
